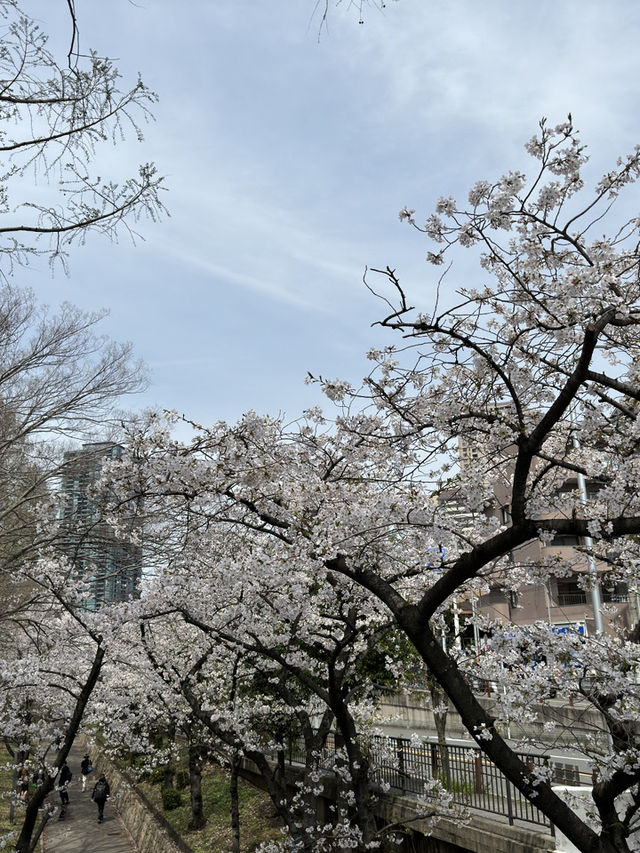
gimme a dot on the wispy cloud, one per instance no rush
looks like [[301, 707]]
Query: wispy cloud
[[287, 160]]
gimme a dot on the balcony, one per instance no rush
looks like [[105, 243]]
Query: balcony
[[576, 597], [569, 599]]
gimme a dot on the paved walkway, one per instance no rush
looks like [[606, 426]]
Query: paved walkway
[[80, 831]]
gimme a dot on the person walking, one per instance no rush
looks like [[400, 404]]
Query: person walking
[[101, 791], [24, 784], [63, 783], [85, 768]]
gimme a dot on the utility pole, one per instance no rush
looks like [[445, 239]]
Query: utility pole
[[587, 542]]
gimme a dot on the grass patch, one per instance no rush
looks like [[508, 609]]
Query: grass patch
[[257, 821], [456, 786], [6, 778]]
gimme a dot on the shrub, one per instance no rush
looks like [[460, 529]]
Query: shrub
[[171, 799], [182, 778], [156, 777]]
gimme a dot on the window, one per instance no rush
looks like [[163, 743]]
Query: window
[[565, 540], [614, 593], [570, 593]]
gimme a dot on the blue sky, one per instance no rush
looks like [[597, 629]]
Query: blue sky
[[287, 158]]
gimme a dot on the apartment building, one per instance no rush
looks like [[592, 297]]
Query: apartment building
[[566, 602], [111, 566]]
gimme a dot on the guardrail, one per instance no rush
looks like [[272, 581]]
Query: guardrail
[[402, 766], [465, 772]]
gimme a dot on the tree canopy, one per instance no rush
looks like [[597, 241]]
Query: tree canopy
[[535, 370]]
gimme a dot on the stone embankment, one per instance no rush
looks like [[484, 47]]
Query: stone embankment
[[148, 827]]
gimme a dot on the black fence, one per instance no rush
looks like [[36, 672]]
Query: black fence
[[401, 766], [465, 772]]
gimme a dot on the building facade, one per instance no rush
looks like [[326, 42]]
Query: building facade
[[564, 601], [111, 566]]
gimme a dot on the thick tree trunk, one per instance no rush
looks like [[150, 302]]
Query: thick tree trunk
[[198, 820], [24, 843], [414, 621], [362, 811], [481, 726], [280, 763], [235, 805]]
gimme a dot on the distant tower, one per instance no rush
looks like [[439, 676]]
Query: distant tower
[[112, 566]]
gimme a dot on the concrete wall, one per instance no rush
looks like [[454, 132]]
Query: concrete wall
[[411, 713], [478, 835]]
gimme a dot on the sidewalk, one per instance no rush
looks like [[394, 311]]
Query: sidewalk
[[80, 831]]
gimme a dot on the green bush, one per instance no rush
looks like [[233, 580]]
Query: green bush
[[156, 777], [171, 799], [182, 778]]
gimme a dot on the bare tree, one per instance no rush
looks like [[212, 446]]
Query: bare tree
[[322, 8], [53, 118], [58, 378]]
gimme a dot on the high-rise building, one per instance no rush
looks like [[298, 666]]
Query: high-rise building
[[111, 566]]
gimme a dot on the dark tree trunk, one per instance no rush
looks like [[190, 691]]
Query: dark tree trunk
[[24, 843], [414, 621], [169, 778], [362, 811], [280, 761], [481, 725], [198, 819], [235, 804]]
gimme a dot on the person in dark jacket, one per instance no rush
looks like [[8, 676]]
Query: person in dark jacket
[[101, 791], [85, 768], [63, 783]]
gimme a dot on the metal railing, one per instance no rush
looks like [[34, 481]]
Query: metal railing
[[401, 766], [609, 596], [614, 596], [464, 771], [569, 599]]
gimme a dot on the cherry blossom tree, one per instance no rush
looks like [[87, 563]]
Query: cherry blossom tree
[[312, 682], [143, 719], [535, 371], [534, 374], [301, 651], [47, 682], [179, 680]]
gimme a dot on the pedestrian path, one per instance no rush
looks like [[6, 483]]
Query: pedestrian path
[[79, 831]]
